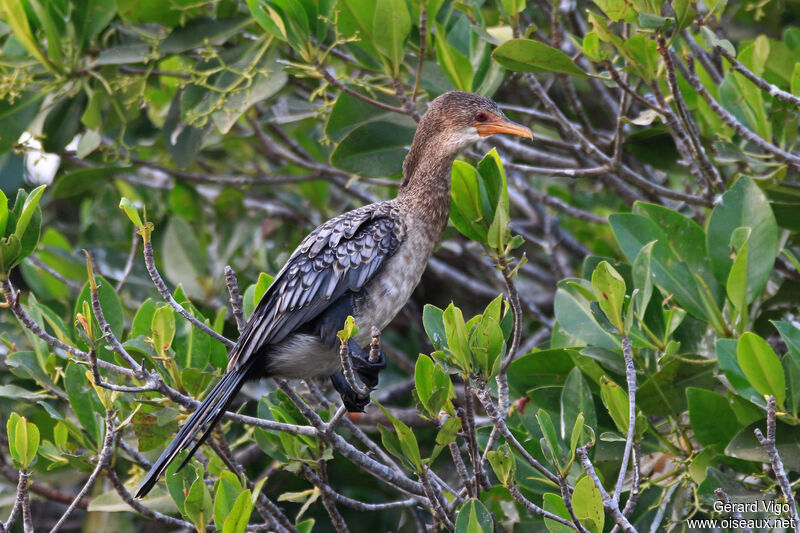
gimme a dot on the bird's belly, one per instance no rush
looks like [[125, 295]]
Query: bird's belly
[[389, 291], [302, 356]]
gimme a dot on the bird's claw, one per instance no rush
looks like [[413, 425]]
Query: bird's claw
[[353, 402], [367, 370]]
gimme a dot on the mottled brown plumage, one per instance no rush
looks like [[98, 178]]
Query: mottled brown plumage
[[364, 263]]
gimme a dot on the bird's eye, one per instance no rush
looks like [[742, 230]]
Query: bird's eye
[[481, 117]]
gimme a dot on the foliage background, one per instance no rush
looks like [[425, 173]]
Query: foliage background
[[236, 127]]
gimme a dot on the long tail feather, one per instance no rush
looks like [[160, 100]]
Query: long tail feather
[[203, 419]]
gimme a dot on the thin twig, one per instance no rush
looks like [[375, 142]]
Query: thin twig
[[630, 374], [126, 271], [728, 118], [103, 462], [37, 261], [723, 497], [486, 399], [235, 297], [529, 505], [344, 88], [347, 370], [609, 504], [759, 82], [769, 446], [158, 281]]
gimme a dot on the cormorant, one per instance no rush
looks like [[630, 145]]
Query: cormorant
[[364, 263]]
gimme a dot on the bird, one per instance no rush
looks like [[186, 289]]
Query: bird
[[364, 263]]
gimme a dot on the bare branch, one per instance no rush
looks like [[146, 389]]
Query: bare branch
[[730, 120], [723, 497], [235, 297], [769, 446], [609, 504], [158, 281], [759, 82], [630, 374], [103, 462]]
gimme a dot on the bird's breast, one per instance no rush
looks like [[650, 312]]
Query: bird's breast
[[387, 293]]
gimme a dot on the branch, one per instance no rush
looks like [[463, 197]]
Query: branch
[[486, 399], [350, 502], [529, 505], [759, 82], [103, 462], [158, 281], [142, 509], [609, 504], [235, 298], [723, 497], [730, 120], [769, 446], [344, 88], [630, 374], [126, 271], [625, 173]]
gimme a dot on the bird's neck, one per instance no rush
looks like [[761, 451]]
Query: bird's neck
[[426, 185]]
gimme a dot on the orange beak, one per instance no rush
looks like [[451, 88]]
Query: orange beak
[[502, 126]]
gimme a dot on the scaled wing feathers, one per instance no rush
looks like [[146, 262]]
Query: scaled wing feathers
[[339, 256]]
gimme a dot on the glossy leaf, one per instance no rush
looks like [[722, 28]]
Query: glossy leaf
[[527, 55]]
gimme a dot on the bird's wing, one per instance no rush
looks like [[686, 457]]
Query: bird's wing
[[341, 255]]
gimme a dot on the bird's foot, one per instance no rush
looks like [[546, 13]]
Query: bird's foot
[[367, 370], [353, 402]]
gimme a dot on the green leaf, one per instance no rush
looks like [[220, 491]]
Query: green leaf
[[184, 257], [553, 450], [374, 149], [406, 440], [573, 312], [761, 367], [16, 116], [198, 507], [433, 321], [744, 205], [587, 503], [526, 55], [239, 516], [227, 489], [62, 123], [554, 504], [618, 10], [609, 288], [151, 433], [28, 210], [678, 267], [457, 337], [455, 65], [616, 401], [684, 13], [391, 26], [576, 402], [474, 517], [131, 211], [711, 417], [262, 284], [503, 463], [84, 406], [17, 19], [466, 205], [23, 440], [737, 277]]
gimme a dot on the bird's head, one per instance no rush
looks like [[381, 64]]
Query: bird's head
[[461, 119]]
